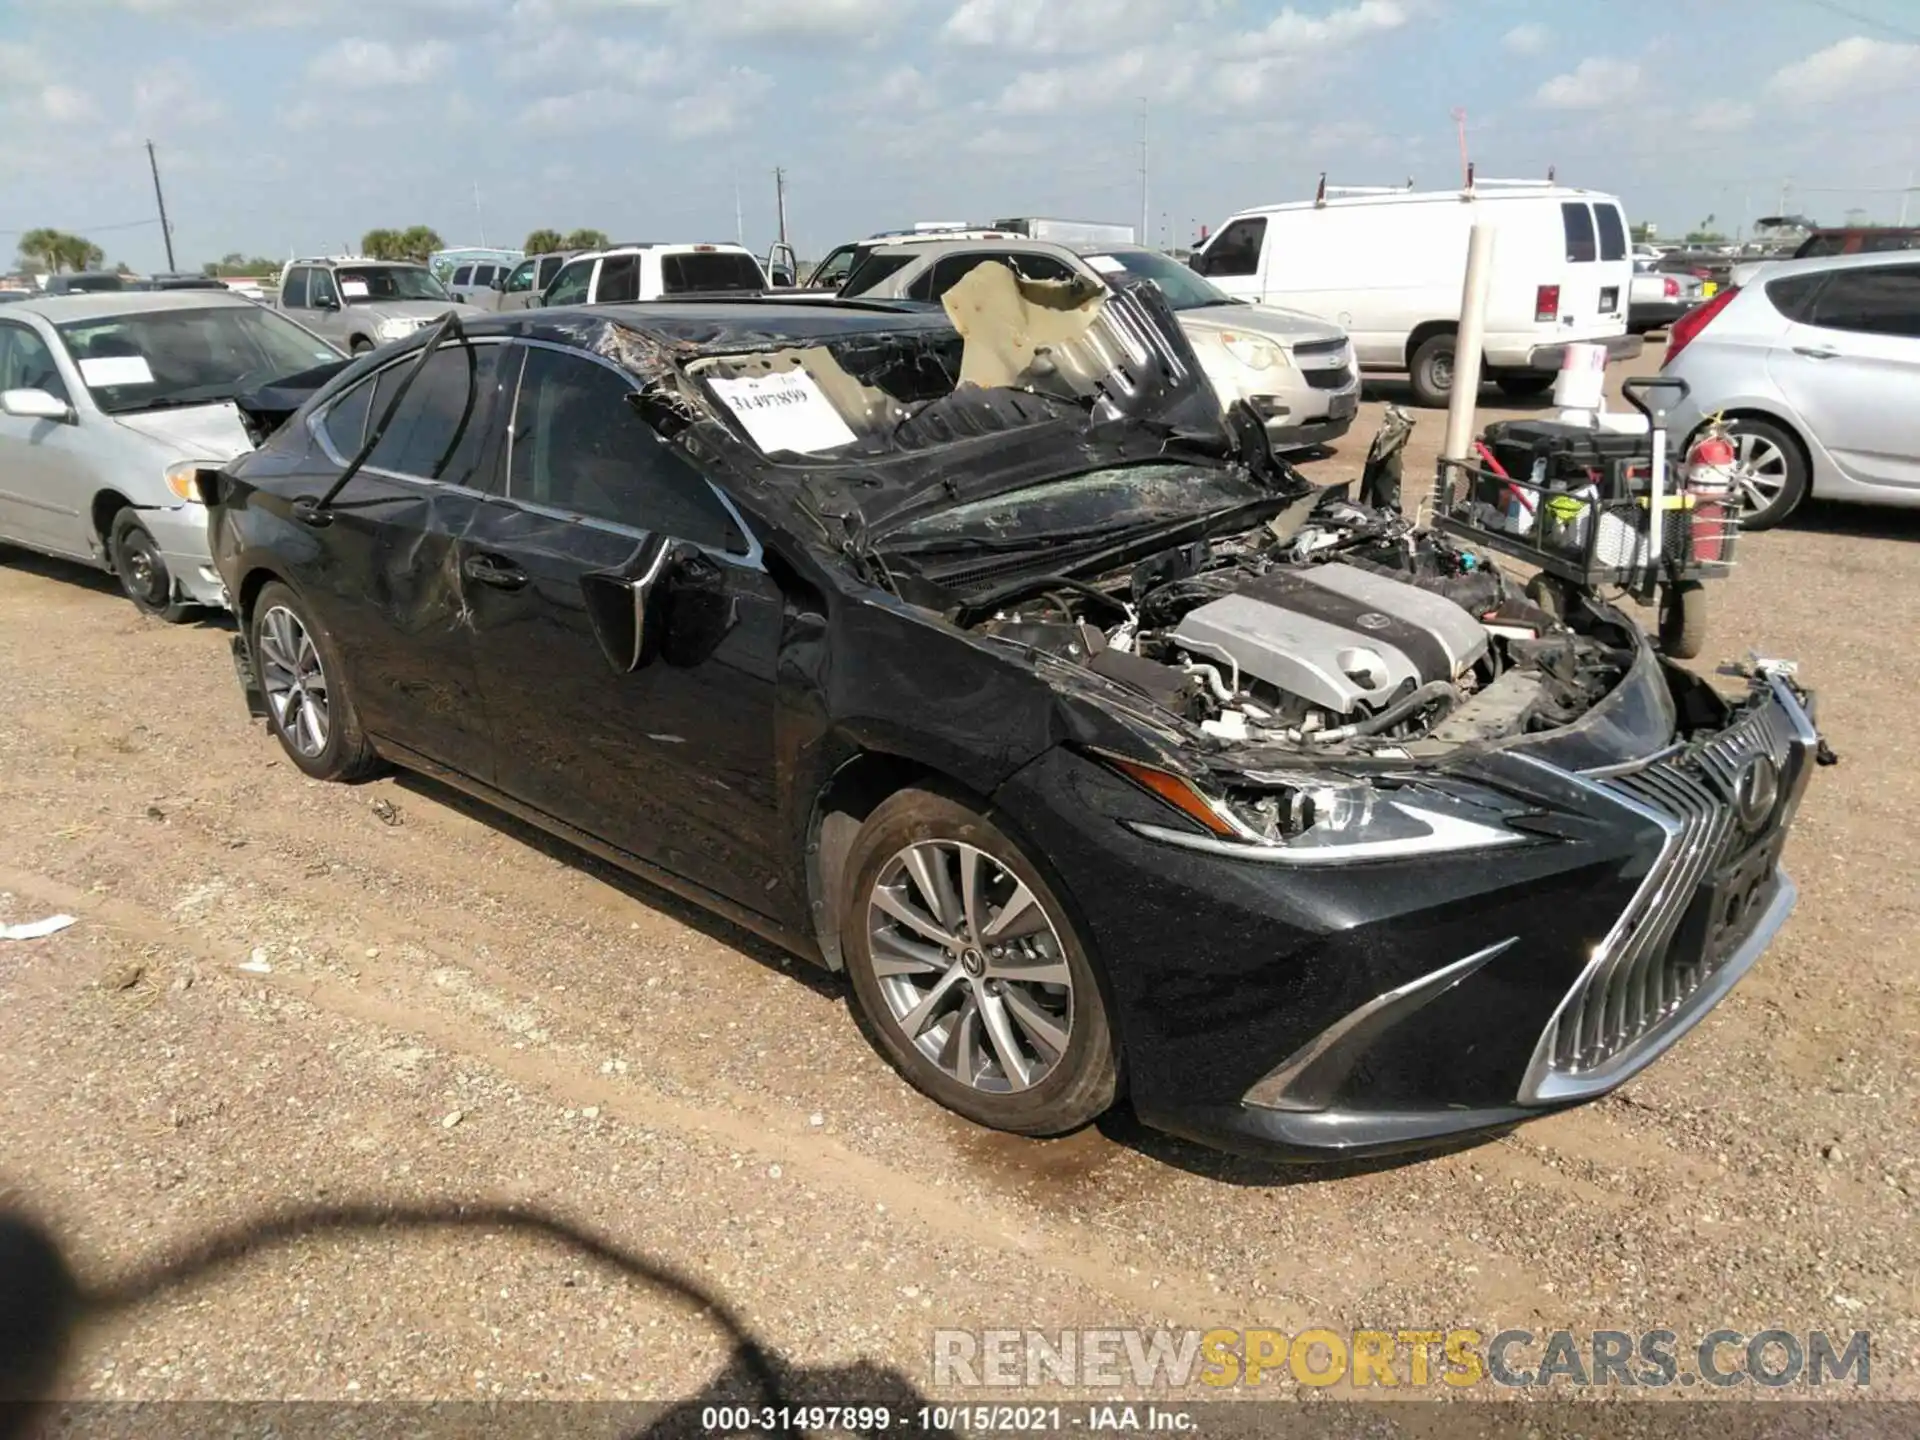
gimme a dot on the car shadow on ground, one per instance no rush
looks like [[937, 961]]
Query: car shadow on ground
[[1863, 522], [1395, 391], [101, 582], [45, 1308], [715, 927]]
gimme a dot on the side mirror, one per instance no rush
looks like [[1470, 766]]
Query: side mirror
[[499, 284], [325, 302], [668, 601], [34, 405]]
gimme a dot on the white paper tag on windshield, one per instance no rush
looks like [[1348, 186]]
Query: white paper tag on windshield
[[785, 411], [1106, 264], [116, 370], [354, 289]]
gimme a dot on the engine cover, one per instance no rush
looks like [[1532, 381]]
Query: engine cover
[[1336, 636]]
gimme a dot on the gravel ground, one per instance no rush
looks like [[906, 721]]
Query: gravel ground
[[281, 992]]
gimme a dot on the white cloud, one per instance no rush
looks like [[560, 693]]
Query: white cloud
[[360, 64], [1721, 117], [273, 14], [1121, 78], [1044, 27], [20, 64], [171, 97], [64, 105], [1596, 83], [569, 54], [902, 88], [840, 20], [1526, 39], [720, 106], [1290, 32], [1851, 68]]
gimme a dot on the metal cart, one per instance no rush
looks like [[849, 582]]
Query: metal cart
[[1626, 526]]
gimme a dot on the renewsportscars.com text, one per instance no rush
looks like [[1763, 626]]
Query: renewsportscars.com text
[[1399, 1358]]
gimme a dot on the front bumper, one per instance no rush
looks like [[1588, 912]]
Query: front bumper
[[1373, 1008], [181, 533], [1308, 415]]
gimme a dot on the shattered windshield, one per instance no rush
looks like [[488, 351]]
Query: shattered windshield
[[1184, 288], [371, 284], [1123, 498]]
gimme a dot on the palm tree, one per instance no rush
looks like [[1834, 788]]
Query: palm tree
[[417, 242], [41, 249], [585, 240], [381, 244], [544, 242], [80, 253]]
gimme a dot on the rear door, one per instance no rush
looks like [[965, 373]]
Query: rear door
[[387, 569], [1595, 277], [672, 761], [1849, 363]]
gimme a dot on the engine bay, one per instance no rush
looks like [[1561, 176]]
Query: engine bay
[[1352, 632]]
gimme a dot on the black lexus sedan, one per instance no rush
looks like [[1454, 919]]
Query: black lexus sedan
[[979, 657]]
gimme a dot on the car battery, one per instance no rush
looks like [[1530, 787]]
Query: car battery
[[1557, 456]]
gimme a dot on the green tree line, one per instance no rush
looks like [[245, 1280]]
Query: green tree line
[[55, 251], [545, 242]]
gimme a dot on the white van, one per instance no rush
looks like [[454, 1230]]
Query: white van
[[1388, 267]]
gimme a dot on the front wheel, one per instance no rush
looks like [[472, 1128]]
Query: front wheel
[[1431, 371], [969, 973], [142, 570], [299, 672]]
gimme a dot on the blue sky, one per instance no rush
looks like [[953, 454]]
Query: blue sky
[[299, 124]]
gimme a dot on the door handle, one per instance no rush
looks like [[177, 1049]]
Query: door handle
[[489, 570], [1816, 352]]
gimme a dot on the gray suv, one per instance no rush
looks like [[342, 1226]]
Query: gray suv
[[363, 304]]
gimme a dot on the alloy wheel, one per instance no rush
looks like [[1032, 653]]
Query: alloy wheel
[[970, 965], [1760, 471], [295, 681]]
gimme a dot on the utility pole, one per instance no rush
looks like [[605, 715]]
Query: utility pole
[[479, 220], [166, 230], [1904, 196], [780, 199], [1146, 235], [739, 216], [1460, 127]]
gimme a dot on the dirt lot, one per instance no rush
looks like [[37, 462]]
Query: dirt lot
[[446, 1006]]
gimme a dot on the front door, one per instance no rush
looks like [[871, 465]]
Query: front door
[[45, 477], [1852, 370], [390, 572], [672, 761]]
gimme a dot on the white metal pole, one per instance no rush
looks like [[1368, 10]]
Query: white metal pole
[[1469, 344]]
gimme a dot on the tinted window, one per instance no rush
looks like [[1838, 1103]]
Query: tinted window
[[521, 279], [428, 423], [293, 290], [1235, 250], [716, 270], [1578, 220], [549, 268], [1793, 295], [579, 447], [320, 288], [872, 270], [835, 268], [26, 363], [1820, 245], [1892, 240], [619, 280], [570, 285], [1882, 301], [463, 276], [1613, 232]]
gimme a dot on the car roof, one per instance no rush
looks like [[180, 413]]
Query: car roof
[[104, 305], [949, 246], [715, 325], [1484, 193], [1813, 263]]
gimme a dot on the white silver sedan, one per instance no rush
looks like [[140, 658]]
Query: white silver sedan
[[1816, 366], [108, 404]]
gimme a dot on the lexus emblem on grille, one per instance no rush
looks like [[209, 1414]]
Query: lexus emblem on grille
[[1754, 791]]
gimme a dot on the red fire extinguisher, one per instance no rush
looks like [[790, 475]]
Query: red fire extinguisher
[[1710, 472]]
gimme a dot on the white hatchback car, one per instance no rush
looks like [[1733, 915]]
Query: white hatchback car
[[1816, 366], [108, 404]]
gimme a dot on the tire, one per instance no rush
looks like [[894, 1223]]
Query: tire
[[142, 571], [360, 346], [1683, 619], [315, 723], [1549, 594], [954, 1057], [1523, 383], [1773, 477], [1431, 371]]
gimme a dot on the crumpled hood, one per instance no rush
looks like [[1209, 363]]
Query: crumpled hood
[[1285, 327], [200, 432]]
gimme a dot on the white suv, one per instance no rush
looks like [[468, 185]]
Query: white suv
[[628, 274]]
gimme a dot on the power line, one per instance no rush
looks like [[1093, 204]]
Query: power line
[[1861, 19], [89, 229]]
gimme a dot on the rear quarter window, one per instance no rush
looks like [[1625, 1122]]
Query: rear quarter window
[[1613, 232], [693, 273], [1576, 218], [1793, 295]]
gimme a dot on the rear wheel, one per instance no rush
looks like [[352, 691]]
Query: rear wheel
[[300, 675], [1770, 472], [968, 971], [142, 569], [1431, 371]]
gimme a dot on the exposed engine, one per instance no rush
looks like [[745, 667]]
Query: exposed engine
[[1355, 630]]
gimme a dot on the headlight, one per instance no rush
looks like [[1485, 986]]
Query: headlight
[[394, 329], [1327, 819], [1254, 352], [182, 479]]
